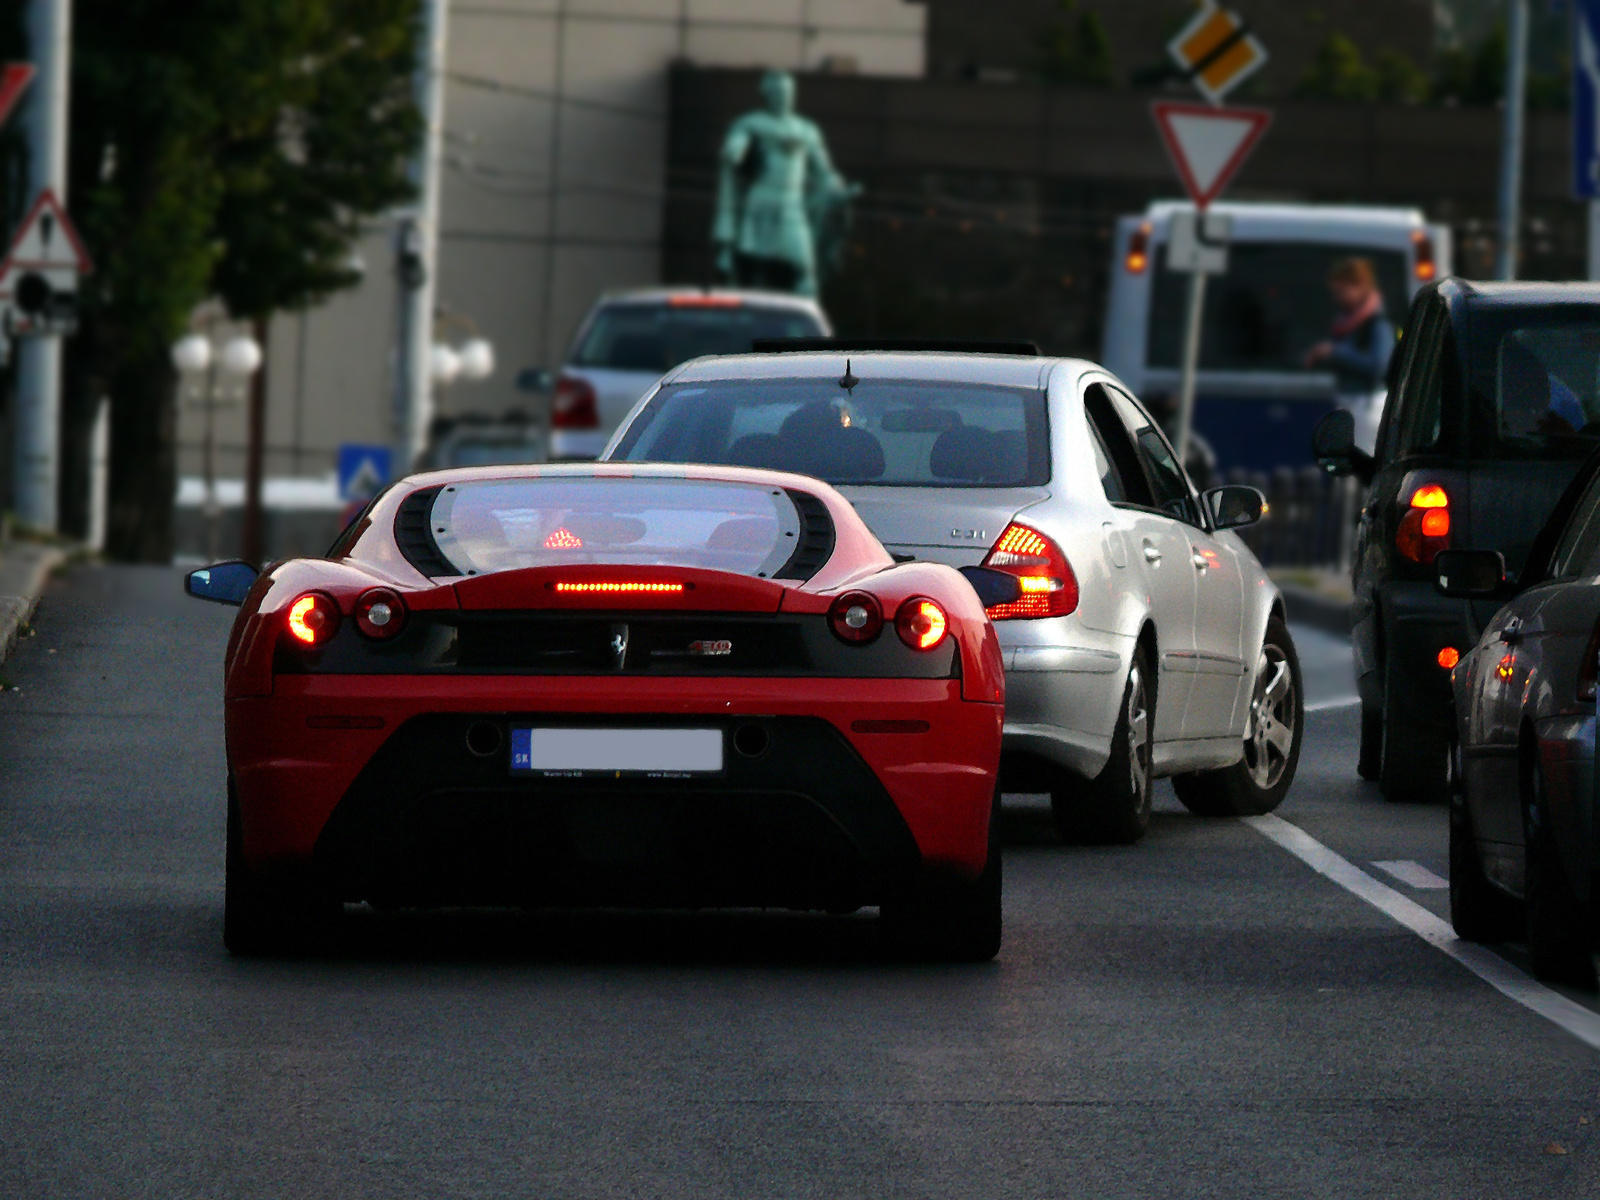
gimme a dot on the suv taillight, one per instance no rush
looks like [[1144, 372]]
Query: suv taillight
[[574, 405], [1425, 529], [1049, 588]]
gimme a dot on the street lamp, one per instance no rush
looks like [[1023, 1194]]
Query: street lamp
[[444, 364], [241, 356], [198, 361], [477, 358]]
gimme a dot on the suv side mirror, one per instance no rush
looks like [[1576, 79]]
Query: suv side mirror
[[1333, 445], [1235, 506], [224, 582], [994, 588], [1470, 574]]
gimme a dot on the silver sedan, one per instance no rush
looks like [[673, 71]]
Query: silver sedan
[[1143, 639]]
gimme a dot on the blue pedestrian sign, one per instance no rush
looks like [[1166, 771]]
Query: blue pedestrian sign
[[362, 470], [1586, 99]]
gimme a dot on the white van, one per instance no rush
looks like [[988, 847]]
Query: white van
[[1255, 402]]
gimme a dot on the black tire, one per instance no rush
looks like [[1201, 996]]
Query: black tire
[[1415, 762], [953, 920], [1114, 808], [266, 916], [1369, 758], [1258, 782], [1479, 911], [1558, 922]]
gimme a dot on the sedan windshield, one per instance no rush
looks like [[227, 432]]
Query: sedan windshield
[[507, 524], [658, 336], [891, 432]]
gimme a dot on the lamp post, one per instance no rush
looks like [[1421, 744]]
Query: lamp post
[[214, 373]]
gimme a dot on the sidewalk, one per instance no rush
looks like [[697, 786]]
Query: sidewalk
[[24, 567]]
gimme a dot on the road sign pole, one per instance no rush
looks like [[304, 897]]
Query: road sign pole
[[1594, 239], [1511, 142], [38, 396], [1193, 317]]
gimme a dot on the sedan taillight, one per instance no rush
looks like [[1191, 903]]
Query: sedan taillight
[[1049, 588], [574, 405]]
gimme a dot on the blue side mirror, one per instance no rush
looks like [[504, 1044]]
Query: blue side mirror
[[224, 582]]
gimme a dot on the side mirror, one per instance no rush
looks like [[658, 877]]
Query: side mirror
[[535, 379], [993, 587], [1235, 506], [224, 582], [1333, 445], [1470, 574]]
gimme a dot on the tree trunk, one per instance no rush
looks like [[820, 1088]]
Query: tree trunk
[[144, 460]]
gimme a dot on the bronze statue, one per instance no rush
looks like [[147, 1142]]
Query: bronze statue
[[783, 212]]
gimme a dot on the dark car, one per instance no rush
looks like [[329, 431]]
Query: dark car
[[1494, 401], [1522, 818]]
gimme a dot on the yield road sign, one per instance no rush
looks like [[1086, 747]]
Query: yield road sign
[[39, 277], [1208, 145], [14, 80], [1217, 51]]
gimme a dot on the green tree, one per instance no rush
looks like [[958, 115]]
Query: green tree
[[1399, 80], [218, 149], [1076, 48], [1338, 73]]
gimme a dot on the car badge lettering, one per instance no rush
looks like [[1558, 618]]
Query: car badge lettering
[[973, 534], [619, 646], [711, 648]]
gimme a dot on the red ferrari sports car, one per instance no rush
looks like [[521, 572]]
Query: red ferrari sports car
[[601, 685]]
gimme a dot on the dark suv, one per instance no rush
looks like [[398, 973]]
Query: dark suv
[[1494, 401]]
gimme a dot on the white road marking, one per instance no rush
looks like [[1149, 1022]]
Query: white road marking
[[1488, 966], [1413, 873], [1336, 702]]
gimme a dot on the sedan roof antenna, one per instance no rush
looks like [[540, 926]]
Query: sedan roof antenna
[[848, 381]]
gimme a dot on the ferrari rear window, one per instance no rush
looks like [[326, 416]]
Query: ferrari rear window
[[508, 524]]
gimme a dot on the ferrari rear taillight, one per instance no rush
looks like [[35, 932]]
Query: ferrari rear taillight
[[380, 613], [1425, 529], [313, 619], [620, 585], [1589, 666], [921, 623], [574, 405], [856, 617], [1049, 588]]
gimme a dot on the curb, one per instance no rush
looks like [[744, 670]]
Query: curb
[[23, 572], [1306, 607]]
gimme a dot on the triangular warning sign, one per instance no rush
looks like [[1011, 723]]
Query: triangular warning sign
[[1208, 145], [47, 241], [14, 80]]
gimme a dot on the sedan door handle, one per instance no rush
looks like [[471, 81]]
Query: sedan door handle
[[1199, 560], [1151, 554]]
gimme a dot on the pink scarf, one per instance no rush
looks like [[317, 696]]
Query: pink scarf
[[1347, 323]]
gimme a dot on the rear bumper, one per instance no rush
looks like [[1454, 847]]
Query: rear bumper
[[1417, 623], [828, 814], [1062, 698], [1566, 754]]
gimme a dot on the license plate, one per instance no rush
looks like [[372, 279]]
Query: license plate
[[662, 753]]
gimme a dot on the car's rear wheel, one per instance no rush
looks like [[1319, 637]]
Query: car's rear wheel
[[1114, 808], [262, 915], [1369, 758], [1415, 763], [951, 919], [1479, 911], [1258, 782], [1558, 922]]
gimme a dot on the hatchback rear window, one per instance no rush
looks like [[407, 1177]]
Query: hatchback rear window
[[888, 432], [656, 337], [1535, 381], [507, 524]]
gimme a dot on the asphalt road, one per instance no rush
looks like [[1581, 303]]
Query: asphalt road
[[1199, 1015]]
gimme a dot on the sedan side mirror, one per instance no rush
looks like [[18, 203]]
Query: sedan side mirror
[[1235, 506], [1333, 445], [1470, 574], [224, 582], [994, 588]]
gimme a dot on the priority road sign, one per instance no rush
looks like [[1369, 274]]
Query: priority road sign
[[1208, 145], [1217, 51], [39, 277], [14, 80]]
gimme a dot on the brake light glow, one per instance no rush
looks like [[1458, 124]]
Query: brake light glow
[[921, 623], [1138, 258], [1448, 658], [622, 586], [855, 617], [313, 619], [698, 301], [1506, 667], [1049, 588], [1422, 247], [574, 405], [1425, 529], [563, 539], [380, 613]]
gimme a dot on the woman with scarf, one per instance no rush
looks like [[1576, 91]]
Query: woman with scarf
[[1359, 351]]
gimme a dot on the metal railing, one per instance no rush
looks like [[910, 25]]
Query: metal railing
[[1310, 519]]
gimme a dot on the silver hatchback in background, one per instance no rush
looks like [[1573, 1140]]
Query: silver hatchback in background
[[630, 339], [1146, 640]]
